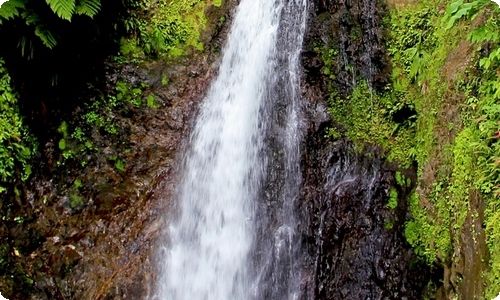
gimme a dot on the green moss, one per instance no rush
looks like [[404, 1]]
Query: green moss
[[76, 200], [393, 199], [456, 157], [16, 143], [366, 117], [429, 237], [388, 225], [169, 29]]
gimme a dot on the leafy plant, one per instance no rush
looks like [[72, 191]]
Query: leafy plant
[[393, 199], [16, 144], [459, 9], [173, 27], [65, 9]]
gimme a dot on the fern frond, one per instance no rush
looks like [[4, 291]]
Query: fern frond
[[88, 7], [30, 17], [10, 9], [25, 43], [46, 36], [63, 8]]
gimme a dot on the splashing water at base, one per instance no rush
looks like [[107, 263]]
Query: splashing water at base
[[207, 252]]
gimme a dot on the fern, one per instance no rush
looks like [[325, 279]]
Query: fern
[[25, 43], [46, 36], [63, 8], [10, 9], [89, 8], [30, 17]]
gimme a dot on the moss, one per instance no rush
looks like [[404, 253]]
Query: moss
[[393, 199], [442, 115], [170, 28], [16, 143], [388, 225], [76, 200]]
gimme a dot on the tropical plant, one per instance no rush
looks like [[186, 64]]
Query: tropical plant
[[16, 145], [64, 9]]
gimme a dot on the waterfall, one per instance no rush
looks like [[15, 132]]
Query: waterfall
[[233, 234]]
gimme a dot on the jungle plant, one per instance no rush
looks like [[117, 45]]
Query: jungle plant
[[16, 144], [169, 29], [34, 16]]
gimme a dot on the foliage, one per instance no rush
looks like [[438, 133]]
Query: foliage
[[65, 9], [393, 199], [459, 9], [168, 28], [412, 37], [16, 144], [51, 59], [368, 117], [77, 136], [456, 157], [477, 150]]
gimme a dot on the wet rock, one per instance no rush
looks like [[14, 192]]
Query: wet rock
[[349, 37], [354, 254], [354, 242]]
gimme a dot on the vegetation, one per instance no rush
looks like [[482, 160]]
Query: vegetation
[[441, 113], [54, 52], [53, 88], [157, 29], [33, 16], [16, 144], [165, 28]]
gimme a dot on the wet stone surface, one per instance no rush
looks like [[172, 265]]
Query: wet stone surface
[[353, 242]]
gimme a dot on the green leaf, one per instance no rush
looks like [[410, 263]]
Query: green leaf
[[454, 7], [46, 36], [62, 144], [10, 9], [120, 165], [63, 8], [27, 172], [151, 101], [88, 7]]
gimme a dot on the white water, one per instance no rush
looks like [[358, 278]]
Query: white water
[[209, 245]]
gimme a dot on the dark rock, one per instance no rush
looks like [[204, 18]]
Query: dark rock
[[355, 245], [353, 30], [353, 254]]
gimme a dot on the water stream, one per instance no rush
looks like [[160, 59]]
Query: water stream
[[234, 235]]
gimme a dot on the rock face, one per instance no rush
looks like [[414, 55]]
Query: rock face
[[350, 35], [354, 241]]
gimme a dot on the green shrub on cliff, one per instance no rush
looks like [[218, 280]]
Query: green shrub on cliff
[[165, 27], [16, 145], [458, 158]]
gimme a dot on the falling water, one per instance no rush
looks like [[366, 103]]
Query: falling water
[[223, 243]]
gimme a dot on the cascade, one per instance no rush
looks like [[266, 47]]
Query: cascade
[[232, 234]]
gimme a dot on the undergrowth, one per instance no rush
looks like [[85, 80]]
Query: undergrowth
[[16, 143], [157, 29], [164, 28], [456, 156]]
